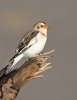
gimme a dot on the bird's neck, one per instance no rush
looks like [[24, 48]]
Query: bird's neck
[[44, 31]]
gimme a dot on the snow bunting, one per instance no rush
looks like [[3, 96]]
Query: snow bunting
[[32, 43]]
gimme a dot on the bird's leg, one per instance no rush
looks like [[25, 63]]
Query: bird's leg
[[40, 53], [32, 59], [29, 58]]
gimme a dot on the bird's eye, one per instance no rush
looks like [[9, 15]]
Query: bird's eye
[[41, 25]]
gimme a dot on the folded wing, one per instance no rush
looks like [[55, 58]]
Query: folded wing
[[26, 42]]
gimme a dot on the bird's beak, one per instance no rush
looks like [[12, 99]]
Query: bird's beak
[[46, 26]]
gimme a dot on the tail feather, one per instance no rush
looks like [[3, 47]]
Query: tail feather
[[13, 57], [15, 60]]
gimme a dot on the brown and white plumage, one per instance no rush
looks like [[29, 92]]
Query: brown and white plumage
[[32, 43]]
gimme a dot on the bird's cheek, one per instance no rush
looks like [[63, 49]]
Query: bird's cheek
[[38, 27]]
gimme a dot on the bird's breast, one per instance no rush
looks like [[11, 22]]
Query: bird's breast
[[36, 48]]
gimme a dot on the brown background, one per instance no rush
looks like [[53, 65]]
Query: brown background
[[17, 17]]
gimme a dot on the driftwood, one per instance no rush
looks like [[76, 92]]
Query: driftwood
[[11, 83]]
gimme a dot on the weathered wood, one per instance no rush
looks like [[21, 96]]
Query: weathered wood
[[11, 83]]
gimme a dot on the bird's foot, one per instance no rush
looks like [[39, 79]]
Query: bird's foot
[[39, 54]]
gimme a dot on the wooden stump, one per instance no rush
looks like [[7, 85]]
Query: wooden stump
[[11, 83]]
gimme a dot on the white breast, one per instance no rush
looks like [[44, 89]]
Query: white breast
[[37, 47]]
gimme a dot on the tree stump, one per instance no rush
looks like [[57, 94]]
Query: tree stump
[[11, 82]]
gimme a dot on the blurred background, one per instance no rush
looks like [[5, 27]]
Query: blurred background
[[17, 17]]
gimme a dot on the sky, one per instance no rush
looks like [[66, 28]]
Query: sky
[[16, 18]]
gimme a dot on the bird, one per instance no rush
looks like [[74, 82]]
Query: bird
[[31, 44]]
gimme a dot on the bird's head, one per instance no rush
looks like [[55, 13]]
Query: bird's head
[[41, 26]]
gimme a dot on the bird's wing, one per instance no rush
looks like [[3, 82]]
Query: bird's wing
[[27, 41]]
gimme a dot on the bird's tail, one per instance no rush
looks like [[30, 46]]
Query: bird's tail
[[15, 60]]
